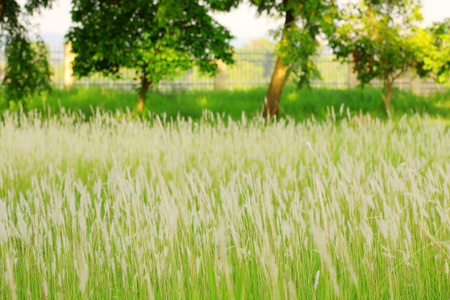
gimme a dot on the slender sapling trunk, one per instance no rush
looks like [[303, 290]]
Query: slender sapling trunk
[[388, 88], [145, 84]]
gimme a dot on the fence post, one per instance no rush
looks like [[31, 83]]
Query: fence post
[[416, 83], [69, 56], [351, 76], [220, 81]]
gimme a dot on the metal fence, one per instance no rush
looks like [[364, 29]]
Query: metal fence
[[252, 68]]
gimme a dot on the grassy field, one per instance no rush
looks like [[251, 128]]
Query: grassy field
[[297, 104], [219, 209]]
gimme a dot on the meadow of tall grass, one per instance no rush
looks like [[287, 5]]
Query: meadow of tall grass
[[130, 208]]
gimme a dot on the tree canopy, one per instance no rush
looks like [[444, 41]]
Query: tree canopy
[[304, 22], [158, 39], [433, 59]]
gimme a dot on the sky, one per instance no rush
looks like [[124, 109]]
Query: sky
[[243, 22]]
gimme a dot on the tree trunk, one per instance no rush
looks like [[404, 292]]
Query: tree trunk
[[2, 9], [273, 95], [145, 84], [388, 88]]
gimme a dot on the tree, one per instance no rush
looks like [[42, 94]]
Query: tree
[[27, 70], [304, 21], [381, 36], [158, 39]]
